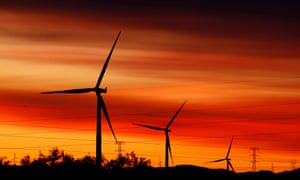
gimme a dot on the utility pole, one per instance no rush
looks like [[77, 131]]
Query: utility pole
[[14, 158], [254, 158]]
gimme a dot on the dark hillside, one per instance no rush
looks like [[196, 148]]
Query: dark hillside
[[91, 171]]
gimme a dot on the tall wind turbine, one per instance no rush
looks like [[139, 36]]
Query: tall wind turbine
[[227, 159], [100, 104], [166, 130]]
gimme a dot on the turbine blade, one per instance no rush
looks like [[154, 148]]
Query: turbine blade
[[106, 62], [219, 160], [230, 165], [229, 148], [148, 126], [174, 116], [169, 146], [70, 91], [107, 117]]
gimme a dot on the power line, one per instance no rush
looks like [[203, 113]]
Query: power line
[[49, 127], [52, 138]]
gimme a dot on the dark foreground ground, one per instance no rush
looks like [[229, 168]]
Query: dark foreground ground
[[178, 172]]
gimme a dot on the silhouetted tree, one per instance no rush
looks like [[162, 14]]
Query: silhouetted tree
[[133, 161], [40, 161], [58, 157], [25, 161], [67, 158], [87, 159], [55, 156], [129, 160], [4, 161]]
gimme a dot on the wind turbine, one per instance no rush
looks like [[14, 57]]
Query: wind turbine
[[227, 159], [100, 104], [166, 130]]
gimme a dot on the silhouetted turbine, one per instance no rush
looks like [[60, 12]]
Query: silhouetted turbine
[[227, 159], [100, 104], [166, 130]]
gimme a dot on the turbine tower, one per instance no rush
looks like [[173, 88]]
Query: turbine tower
[[227, 159], [166, 130], [100, 104]]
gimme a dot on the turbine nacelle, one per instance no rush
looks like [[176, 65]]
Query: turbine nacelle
[[101, 90]]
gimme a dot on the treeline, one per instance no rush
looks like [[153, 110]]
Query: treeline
[[58, 165], [57, 157]]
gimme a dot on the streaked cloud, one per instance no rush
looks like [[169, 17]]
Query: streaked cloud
[[237, 67]]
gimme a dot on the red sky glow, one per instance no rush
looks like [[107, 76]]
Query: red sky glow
[[237, 65]]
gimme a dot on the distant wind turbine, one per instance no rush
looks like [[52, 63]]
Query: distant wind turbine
[[166, 130], [100, 104], [227, 159]]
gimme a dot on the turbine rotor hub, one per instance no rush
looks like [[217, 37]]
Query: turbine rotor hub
[[101, 90]]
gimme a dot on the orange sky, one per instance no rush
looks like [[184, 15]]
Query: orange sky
[[237, 65]]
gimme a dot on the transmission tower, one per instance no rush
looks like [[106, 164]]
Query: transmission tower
[[254, 158], [293, 163], [120, 147]]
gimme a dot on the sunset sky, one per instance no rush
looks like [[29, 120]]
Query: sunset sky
[[236, 64]]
